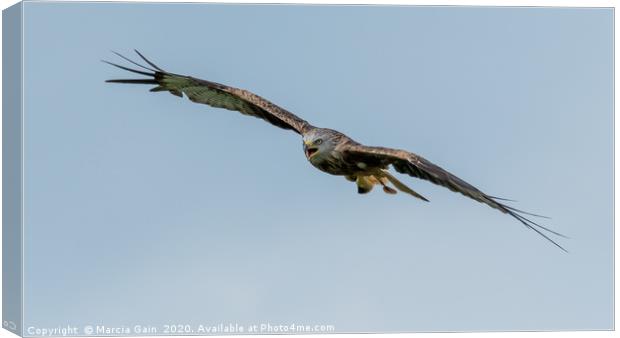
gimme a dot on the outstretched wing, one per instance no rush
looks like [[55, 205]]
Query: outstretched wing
[[417, 166], [212, 93]]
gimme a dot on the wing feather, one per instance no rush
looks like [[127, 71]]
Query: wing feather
[[414, 165], [213, 94]]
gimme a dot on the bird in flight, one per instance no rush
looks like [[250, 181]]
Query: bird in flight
[[328, 150]]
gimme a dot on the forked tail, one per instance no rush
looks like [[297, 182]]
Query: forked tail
[[400, 185]]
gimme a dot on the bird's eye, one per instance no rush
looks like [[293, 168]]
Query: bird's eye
[[318, 141]]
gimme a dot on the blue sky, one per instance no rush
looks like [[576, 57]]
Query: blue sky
[[157, 210]]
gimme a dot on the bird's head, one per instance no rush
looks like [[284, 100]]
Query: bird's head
[[319, 141]]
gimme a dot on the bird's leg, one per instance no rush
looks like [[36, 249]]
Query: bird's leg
[[364, 184], [386, 189]]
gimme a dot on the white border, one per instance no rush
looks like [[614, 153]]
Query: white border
[[22, 203], [506, 3]]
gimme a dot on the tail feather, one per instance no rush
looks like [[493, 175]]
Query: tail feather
[[401, 186]]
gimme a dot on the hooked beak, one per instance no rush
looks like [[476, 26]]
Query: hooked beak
[[309, 150]]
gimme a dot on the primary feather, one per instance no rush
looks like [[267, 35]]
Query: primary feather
[[214, 94]]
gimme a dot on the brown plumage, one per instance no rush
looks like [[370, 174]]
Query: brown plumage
[[326, 149], [214, 94]]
